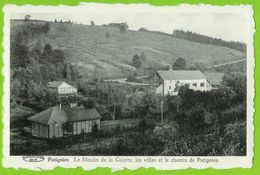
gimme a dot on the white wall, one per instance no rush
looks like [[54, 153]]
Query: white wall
[[170, 85], [84, 126], [65, 88]]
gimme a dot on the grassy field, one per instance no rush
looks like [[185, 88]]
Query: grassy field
[[94, 53]]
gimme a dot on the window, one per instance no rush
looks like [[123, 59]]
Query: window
[[202, 84], [195, 84]]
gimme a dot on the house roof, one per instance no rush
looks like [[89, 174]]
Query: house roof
[[53, 115], [214, 78], [76, 114], [55, 84], [181, 75]]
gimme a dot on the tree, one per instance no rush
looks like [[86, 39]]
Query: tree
[[196, 118], [48, 99], [131, 78], [123, 27], [89, 103], [180, 64], [19, 55], [107, 35], [95, 130], [136, 61], [15, 87], [174, 102], [189, 97], [48, 49], [27, 17], [92, 24], [46, 28], [68, 127], [143, 56], [237, 82]]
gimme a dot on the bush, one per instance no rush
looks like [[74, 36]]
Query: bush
[[233, 114], [235, 139], [136, 61], [199, 118], [89, 103], [181, 118], [179, 64], [142, 126], [95, 130], [56, 143]]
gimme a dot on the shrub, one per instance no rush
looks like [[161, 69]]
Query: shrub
[[179, 64], [235, 139], [95, 130], [136, 61], [56, 143], [89, 103]]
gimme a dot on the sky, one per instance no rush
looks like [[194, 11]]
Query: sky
[[227, 25]]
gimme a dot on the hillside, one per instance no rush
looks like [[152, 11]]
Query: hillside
[[94, 53]]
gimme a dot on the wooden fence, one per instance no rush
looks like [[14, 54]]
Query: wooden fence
[[124, 123]]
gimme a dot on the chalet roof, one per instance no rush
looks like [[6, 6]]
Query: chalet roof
[[76, 114], [53, 115], [181, 75]]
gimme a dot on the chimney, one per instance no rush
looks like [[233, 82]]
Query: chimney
[[60, 105]]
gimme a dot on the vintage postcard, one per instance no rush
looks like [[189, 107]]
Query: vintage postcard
[[128, 86]]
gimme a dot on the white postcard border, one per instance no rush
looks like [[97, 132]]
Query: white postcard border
[[78, 161]]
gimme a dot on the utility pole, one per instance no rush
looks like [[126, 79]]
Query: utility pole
[[161, 110], [114, 115]]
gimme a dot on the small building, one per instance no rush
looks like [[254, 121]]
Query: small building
[[50, 122], [170, 81], [62, 87]]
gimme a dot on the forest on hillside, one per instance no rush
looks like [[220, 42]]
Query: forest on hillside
[[33, 68], [108, 50], [191, 36]]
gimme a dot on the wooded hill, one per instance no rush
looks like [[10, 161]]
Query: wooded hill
[[107, 51]]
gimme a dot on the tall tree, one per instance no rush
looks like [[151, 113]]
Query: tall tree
[[143, 56], [180, 64], [27, 17], [92, 24], [123, 27], [136, 61]]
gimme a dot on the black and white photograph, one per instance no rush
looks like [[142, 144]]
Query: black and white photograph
[[130, 81]]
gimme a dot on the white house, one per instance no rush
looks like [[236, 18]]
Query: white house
[[62, 87], [171, 80]]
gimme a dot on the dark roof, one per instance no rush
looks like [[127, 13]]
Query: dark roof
[[50, 116], [181, 74], [55, 115], [76, 114]]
